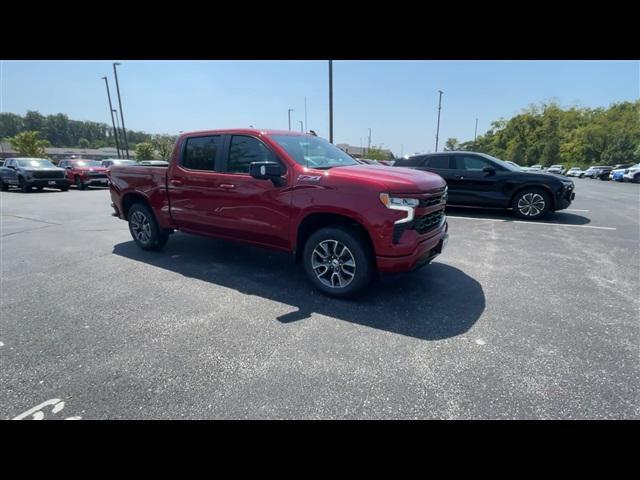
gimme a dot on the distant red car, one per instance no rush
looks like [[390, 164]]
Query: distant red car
[[85, 173]]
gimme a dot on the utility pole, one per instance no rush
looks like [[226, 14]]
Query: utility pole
[[439, 108], [301, 126], [289, 113], [117, 124], [124, 129], [475, 135], [306, 125], [331, 101], [111, 110], [369, 141]]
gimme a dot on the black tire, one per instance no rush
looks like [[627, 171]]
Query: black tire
[[64, 189], [80, 184], [24, 186], [356, 277], [39, 188], [145, 229], [3, 186], [636, 178], [531, 203]]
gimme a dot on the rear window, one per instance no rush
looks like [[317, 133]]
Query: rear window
[[438, 161], [409, 162], [200, 152]]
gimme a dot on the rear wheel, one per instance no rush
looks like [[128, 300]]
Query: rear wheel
[[531, 204], [3, 186], [338, 261], [145, 229], [636, 178]]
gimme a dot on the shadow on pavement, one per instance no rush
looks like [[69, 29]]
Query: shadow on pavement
[[436, 302], [560, 217]]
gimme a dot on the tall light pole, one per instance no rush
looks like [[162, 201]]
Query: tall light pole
[[306, 125], [475, 135], [111, 110], [117, 121], [301, 126], [439, 108], [331, 101], [369, 141], [289, 114], [124, 129]]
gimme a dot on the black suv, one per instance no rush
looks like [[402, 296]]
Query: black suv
[[480, 180]]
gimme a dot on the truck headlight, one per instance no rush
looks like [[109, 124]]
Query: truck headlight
[[402, 204]]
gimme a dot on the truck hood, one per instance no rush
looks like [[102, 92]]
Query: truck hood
[[41, 169], [389, 179]]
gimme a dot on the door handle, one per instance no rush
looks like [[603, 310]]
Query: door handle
[[459, 176], [176, 182], [227, 186]]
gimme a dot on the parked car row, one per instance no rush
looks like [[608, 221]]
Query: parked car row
[[29, 173], [621, 172]]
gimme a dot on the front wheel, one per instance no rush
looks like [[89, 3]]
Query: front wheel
[[531, 204], [338, 261], [3, 186], [145, 229], [24, 186], [80, 183]]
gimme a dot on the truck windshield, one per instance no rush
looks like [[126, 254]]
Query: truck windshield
[[35, 162], [88, 163], [313, 152]]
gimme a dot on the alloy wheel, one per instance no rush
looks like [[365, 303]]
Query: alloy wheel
[[531, 204], [333, 264], [141, 227]]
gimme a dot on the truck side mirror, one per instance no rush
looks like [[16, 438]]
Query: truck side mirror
[[266, 171]]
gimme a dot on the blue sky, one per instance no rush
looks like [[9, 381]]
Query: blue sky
[[397, 99]]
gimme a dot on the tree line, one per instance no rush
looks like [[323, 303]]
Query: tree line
[[547, 134], [60, 131]]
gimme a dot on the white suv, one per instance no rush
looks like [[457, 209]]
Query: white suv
[[632, 174]]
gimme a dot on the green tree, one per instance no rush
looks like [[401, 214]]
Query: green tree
[[163, 144], [144, 151], [29, 144], [451, 144], [84, 143], [377, 153]]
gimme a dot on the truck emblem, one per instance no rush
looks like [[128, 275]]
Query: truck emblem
[[309, 178]]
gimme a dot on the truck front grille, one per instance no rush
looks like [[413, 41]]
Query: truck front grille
[[421, 225], [47, 174]]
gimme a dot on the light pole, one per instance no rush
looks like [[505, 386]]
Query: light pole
[[111, 110], [438, 127], [475, 135], [369, 141], [117, 121], [306, 125], [124, 129], [289, 113], [301, 126], [331, 101]]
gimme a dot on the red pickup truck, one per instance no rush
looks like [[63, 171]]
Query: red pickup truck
[[293, 192]]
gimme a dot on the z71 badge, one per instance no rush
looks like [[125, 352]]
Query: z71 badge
[[309, 178]]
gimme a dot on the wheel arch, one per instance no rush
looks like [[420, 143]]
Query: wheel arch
[[317, 220], [541, 186], [130, 199]]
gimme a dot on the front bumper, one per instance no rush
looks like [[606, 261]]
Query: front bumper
[[52, 182], [96, 181], [422, 255], [565, 197]]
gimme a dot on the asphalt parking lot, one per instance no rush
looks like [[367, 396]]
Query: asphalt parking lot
[[530, 320]]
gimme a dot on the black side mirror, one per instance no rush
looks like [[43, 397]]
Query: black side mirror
[[11, 167], [68, 167], [266, 171], [489, 170]]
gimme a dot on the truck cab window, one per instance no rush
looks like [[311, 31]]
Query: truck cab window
[[243, 150], [200, 153]]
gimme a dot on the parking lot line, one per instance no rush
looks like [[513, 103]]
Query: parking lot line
[[532, 223]]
